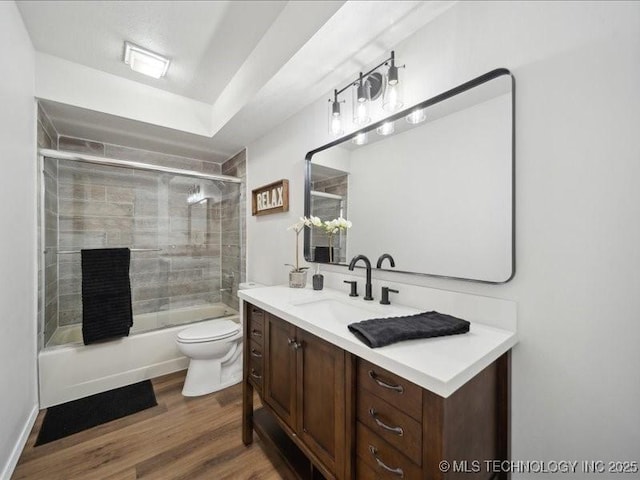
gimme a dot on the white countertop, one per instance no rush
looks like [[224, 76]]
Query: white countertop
[[441, 364]]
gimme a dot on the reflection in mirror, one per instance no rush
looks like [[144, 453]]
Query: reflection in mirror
[[329, 195], [433, 186]]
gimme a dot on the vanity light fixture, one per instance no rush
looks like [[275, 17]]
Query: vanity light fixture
[[367, 88], [361, 100], [392, 96], [387, 128], [145, 61], [336, 123], [416, 116]]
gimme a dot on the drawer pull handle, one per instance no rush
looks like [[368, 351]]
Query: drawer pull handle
[[256, 333], [255, 375], [293, 343], [396, 471], [395, 388], [256, 353], [397, 430]]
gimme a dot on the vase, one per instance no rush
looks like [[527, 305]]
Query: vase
[[298, 279]]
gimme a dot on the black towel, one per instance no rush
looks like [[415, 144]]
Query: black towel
[[321, 254], [379, 332], [106, 294]]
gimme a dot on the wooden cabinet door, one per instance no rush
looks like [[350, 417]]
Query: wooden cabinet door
[[321, 400], [280, 368]]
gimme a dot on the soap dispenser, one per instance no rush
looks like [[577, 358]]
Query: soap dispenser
[[318, 279]]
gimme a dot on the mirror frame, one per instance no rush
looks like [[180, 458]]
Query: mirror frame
[[493, 74]]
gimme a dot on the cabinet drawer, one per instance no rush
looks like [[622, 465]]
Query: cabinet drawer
[[255, 350], [256, 330], [401, 393], [389, 423], [255, 313], [256, 371], [382, 458], [364, 471]]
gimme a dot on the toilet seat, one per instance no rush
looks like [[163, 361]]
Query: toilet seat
[[210, 331]]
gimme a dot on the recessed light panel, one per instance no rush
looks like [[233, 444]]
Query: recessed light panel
[[144, 61]]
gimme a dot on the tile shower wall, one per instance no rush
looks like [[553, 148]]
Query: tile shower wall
[[328, 209], [47, 265], [234, 238], [109, 207]]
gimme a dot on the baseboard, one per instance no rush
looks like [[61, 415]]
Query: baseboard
[[19, 446]]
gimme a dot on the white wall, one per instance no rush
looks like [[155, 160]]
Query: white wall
[[17, 238], [576, 380]]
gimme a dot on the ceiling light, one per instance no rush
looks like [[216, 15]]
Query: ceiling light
[[144, 61]]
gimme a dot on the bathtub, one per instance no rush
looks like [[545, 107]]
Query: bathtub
[[69, 370]]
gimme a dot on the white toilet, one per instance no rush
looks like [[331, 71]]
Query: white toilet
[[214, 349]]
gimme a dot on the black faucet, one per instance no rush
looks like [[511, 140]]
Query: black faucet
[[354, 287], [381, 259], [367, 288], [385, 295]]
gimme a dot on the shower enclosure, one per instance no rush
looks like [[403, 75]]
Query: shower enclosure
[[177, 223]]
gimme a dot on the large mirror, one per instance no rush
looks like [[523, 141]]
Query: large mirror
[[437, 194]]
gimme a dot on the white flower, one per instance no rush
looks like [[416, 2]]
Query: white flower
[[343, 223], [315, 221]]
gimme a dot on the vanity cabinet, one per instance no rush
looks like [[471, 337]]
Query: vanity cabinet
[[342, 417], [304, 386]]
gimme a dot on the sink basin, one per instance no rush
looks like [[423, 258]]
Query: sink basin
[[343, 312]]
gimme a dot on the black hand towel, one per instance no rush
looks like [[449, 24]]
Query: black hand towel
[[106, 294], [379, 332]]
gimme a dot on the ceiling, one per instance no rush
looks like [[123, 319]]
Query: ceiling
[[209, 44], [206, 41]]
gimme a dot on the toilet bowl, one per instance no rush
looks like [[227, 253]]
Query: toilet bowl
[[214, 350]]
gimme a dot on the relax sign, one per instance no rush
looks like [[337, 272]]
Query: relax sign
[[271, 198]]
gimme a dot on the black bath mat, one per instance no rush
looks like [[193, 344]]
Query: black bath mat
[[72, 417]]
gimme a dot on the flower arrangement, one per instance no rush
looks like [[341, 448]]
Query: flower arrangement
[[332, 227], [297, 275], [298, 227]]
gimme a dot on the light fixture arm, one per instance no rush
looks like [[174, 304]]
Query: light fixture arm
[[364, 75]]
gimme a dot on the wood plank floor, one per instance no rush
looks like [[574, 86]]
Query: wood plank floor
[[180, 438]]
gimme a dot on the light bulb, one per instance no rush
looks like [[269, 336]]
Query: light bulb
[[360, 139], [362, 113], [387, 128], [361, 103], [392, 100], [336, 125], [416, 116]]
